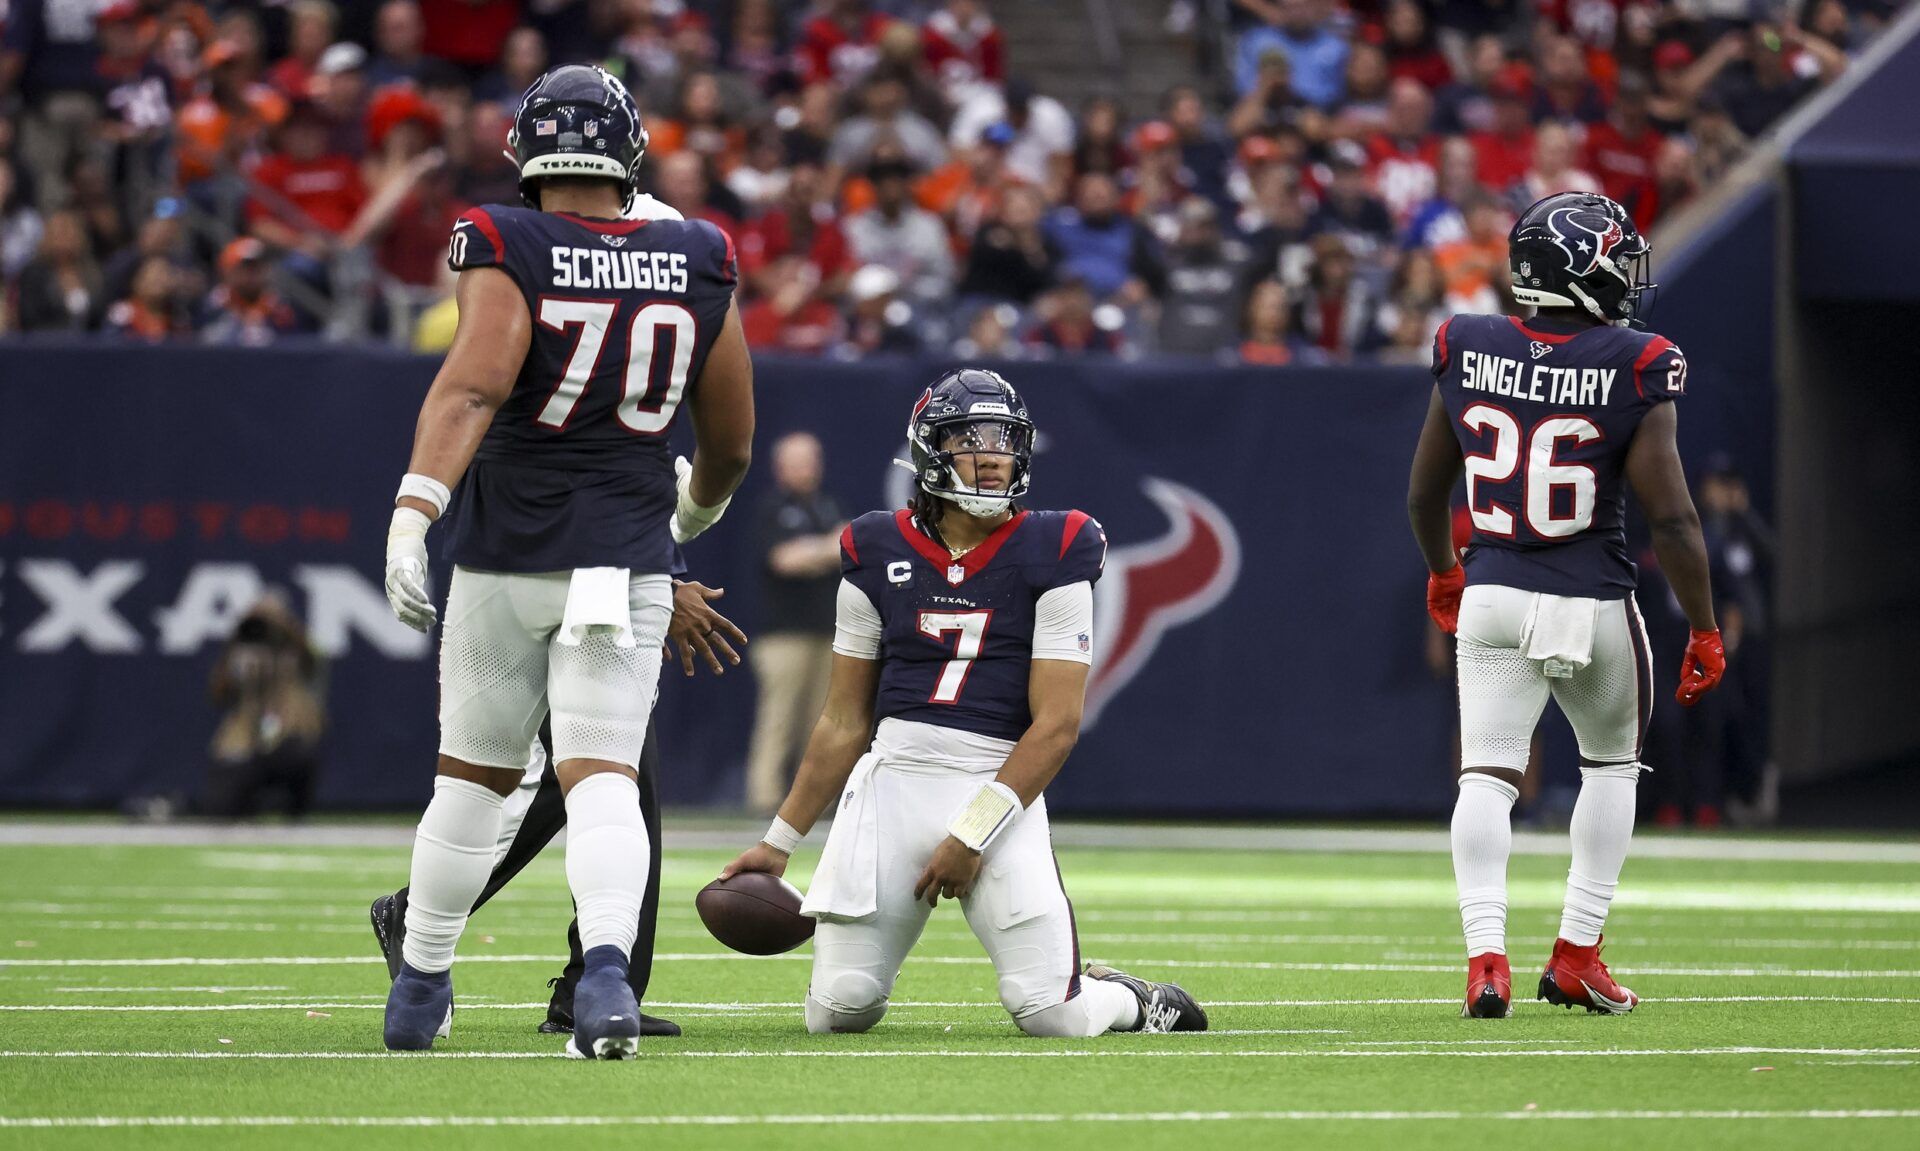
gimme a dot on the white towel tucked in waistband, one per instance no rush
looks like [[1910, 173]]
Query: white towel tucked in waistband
[[846, 884], [1558, 632], [597, 601]]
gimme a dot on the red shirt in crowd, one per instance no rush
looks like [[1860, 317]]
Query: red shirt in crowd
[[1503, 159], [958, 52], [1426, 65], [827, 52], [328, 190], [1404, 172], [1620, 162], [772, 236], [469, 32], [808, 330]]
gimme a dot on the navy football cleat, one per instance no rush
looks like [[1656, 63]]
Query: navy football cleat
[[606, 1018], [559, 1020], [1164, 1007], [418, 1006]]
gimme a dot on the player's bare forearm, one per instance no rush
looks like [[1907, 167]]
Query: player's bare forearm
[[1056, 691], [840, 736], [1660, 484], [477, 377], [722, 407], [1436, 468]]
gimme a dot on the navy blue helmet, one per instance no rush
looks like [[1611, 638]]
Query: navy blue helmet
[[577, 120], [1580, 250], [965, 411]]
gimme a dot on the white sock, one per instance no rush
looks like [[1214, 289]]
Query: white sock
[[1482, 840], [606, 859], [1099, 1008], [1602, 827], [452, 857]]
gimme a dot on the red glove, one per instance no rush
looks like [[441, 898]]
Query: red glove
[[1443, 597], [1700, 671]]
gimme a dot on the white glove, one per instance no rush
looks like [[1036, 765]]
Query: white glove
[[689, 518], [407, 569]]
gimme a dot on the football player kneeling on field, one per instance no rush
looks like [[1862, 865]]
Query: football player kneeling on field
[[964, 628]]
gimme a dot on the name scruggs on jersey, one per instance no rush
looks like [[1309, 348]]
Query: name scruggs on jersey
[[601, 270], [1502, 376]]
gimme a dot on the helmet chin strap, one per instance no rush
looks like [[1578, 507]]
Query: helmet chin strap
[[972, 500]]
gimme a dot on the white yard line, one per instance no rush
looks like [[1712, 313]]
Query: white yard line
[[906, 1119], [656, 1051]]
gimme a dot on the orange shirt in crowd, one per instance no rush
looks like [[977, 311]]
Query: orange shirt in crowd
[[1467, 266], [209, 132]]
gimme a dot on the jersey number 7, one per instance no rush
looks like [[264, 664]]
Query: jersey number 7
[[972, 629], [646, 404]]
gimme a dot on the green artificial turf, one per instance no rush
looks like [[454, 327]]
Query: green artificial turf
[[1772, 990]]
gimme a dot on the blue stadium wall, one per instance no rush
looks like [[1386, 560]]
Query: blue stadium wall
[[1261, 620]]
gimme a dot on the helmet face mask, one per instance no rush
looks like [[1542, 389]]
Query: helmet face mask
[[1580, 250], [975, 416], [577, 120]]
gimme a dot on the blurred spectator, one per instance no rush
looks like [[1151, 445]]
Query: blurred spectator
[[1470, 266], [1205, 151], [1267, 339], [1276, 223], [1506, 149], [1442, 219], [884, 113], [244, 309], [1466, 105], [1674, 182], [1620, 149], [523, 57], [1553, 167], [1336, 313], [162, 234], [1412, 53], [1317, 55], [91, 187], [898, 234], [59, 289], [1043, 131], [1405, 157], [49, 61], [681, 181], [1676, 85], [339, 89], [1741, 545], [1348, 207], [807, 132], [1566, 93], [964, 191], [1101, 146], [1271, 103], [842, 44], [306, 196], [879, 321], [270, 686], [156, 307], [1069, 322], [802, 224], [228, 121], [1755, 78], [788, 314], [1414, 309], [799, 541], [989, 335], [1011, 258], [1100, 248], [20, 225], [1363, 110], [1199, 279], [700, 125], [470, 33], [312, 26], [398, 33], [963, 47], [139, 103], [1160, 177]]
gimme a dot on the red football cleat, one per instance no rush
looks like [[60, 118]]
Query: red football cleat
[[1575, 977], [1489, 988]]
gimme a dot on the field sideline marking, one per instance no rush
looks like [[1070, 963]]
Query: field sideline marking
[[950, 960], [956, 1053], [36, 1122]]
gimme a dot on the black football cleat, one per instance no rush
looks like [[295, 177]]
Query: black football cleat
[[1164, 1007], [606, 1022], [389, 915], [418, 1006], [559, 1020]]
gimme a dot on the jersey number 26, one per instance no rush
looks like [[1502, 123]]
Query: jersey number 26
[[1544, 472]]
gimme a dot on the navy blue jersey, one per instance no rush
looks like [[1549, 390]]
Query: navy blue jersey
[[957, 635], [575, 470], [1544, 418]]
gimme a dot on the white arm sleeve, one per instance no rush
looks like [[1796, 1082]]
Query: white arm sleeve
[[856, 624], [1063, 623]]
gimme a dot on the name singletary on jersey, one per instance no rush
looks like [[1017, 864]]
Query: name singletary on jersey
[[1544, 415], [576, 470]]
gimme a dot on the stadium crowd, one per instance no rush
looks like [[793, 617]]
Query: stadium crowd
[[192, 169]]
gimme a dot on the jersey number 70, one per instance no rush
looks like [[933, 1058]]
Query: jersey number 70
[[646, 404]]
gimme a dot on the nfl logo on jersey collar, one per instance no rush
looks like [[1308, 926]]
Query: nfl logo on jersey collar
[[956, 569], [956, 574]]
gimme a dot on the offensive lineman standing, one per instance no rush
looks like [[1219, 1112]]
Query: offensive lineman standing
[[580, 335], [1546, 417]]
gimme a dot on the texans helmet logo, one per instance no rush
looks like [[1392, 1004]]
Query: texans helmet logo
[[1152, 587], [1585, 235]]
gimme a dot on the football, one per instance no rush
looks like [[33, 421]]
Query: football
[[754, 913]]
